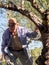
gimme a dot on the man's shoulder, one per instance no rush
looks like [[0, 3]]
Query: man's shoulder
[[6, 32], [21, 27]]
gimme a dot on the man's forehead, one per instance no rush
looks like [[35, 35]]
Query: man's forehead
[[12, 20]]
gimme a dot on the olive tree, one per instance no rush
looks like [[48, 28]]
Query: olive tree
[[38, 12]]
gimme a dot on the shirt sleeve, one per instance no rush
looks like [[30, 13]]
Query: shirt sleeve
[[33, 34], [3, 43]]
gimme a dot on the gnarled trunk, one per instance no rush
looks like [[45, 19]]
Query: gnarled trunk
[[45, 40], [45, 51], [44, 58]]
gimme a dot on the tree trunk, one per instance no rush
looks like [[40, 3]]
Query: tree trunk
[[45, 51], [44, 58]]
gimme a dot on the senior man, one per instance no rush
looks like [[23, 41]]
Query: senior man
[[14, 43]]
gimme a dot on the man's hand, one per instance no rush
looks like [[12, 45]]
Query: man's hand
[[24, 46], [6, 50]]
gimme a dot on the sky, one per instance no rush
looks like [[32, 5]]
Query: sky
[[3, 26]]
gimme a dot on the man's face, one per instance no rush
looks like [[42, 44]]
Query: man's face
[[12, 26]]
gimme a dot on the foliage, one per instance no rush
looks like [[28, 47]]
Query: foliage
[[35, 53], [3, 63]]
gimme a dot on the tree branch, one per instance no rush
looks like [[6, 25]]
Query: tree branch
[[28, 14], [35, 6]]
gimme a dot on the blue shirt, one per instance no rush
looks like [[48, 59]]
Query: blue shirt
[[23, 33]]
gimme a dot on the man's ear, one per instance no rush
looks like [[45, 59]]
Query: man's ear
[[17, 24]]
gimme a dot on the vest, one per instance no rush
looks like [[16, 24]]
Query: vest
[[15, 43]]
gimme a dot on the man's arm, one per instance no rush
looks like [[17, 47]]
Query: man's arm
[[33, 35], [3, 43], [30, 34]]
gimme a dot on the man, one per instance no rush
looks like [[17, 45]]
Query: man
[[14, 43]]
